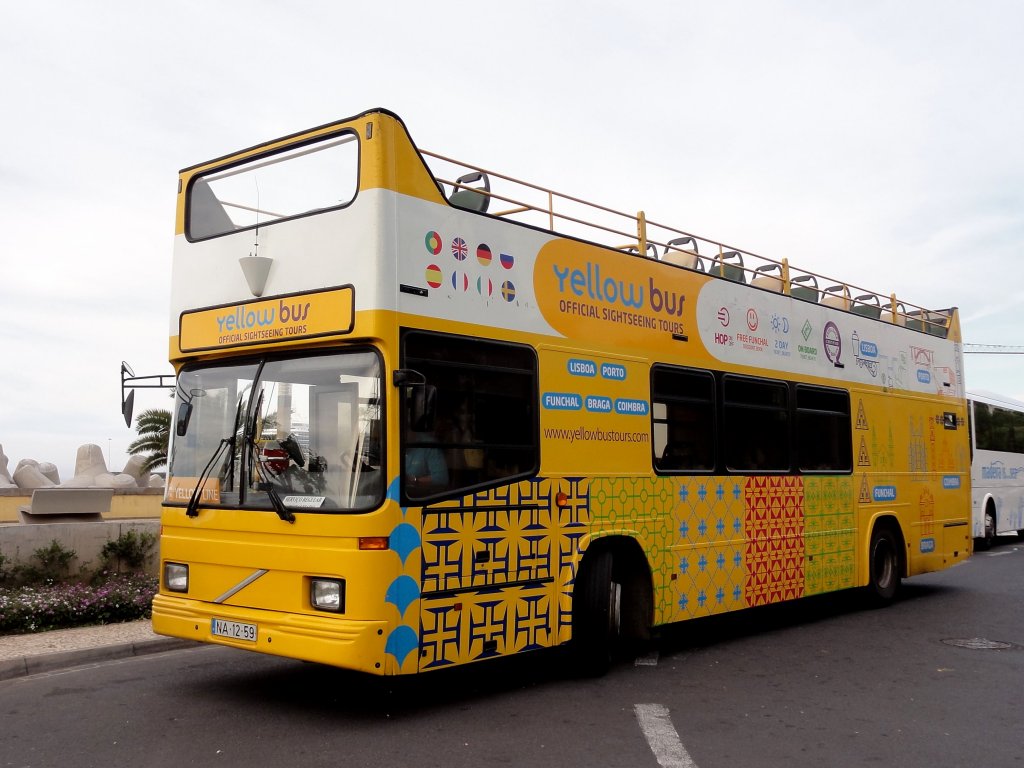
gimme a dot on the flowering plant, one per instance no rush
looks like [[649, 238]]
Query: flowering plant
[[56, 605]]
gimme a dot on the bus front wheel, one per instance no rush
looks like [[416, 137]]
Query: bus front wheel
[[596, 614], [986, 541], [884, 564]]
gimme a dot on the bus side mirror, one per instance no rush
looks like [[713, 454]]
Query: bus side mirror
[[184, 414], [127, 406]]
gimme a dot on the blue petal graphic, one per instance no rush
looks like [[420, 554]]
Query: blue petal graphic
[[404, 539], [402, 592], [393, 490], [401, 643]]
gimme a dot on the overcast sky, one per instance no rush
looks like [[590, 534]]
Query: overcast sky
[[878, 142]]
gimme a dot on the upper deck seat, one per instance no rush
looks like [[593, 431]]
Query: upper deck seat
[[899, 317], [837, 296], [764, 277], [729, 264], [676, 254], [804, 287], [476, 199], [867, 305]]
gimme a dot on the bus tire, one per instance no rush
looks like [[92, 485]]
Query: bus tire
[[596, 614], [883, 566], [989, 537]]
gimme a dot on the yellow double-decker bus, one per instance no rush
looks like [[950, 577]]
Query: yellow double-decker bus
[[428, 414]]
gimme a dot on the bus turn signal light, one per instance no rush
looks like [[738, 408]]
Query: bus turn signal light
[[373, 542]]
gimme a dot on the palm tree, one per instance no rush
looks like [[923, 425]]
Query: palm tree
[[154, 428]]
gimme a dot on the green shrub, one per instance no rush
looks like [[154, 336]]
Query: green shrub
[[54, 564], [128, 551]]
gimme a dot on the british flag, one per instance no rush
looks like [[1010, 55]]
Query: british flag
[[459, 250]]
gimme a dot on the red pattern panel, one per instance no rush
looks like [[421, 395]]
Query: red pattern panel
[[774, 527]]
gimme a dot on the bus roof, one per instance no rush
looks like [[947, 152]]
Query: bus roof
[[992, 398]]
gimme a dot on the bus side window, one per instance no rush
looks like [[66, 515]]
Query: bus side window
[[756, 424], [823, 430], [683, 419]]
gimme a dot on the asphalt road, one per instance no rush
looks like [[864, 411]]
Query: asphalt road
[[821, 682]]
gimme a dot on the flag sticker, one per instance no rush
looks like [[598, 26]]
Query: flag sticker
[[459, 250], [507, 260], [460, 280], [434, 276], [508, 291], [433, 242], [483, 254], [484, 286]]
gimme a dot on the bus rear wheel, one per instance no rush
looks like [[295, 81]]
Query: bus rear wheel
[[884, 566]]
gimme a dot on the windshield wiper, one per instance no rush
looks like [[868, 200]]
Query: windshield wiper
[[262, 484], [192, 509], [279, 507]]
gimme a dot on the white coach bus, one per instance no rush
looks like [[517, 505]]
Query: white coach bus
[[997, 466]]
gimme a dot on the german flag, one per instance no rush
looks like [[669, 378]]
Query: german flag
[[483, 254]]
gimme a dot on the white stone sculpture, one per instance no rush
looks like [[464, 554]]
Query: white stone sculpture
[[90, 462], [50, 470], [6, 481], [28, 477], [134, 468], [90, 472]]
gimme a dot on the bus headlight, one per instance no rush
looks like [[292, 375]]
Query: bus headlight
[[176, 577], [327, 595]]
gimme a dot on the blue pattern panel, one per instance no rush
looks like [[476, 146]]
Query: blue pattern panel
[[498, 568]]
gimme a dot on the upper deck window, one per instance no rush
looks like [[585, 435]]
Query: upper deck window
[[299, 180]]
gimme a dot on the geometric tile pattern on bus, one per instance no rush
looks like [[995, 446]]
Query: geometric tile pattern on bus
[[708, 524], [774, 527], [482, 558], [639, 506], [714, 544], [829, 519]]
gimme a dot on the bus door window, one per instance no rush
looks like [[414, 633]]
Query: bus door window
[[485, 428], [424, 463]]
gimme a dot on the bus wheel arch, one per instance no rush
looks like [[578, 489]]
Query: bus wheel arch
[[887, 561], [612, 602]]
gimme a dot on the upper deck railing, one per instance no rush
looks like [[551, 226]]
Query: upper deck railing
[[635, 233]]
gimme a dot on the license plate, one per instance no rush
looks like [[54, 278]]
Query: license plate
[[235, 630]]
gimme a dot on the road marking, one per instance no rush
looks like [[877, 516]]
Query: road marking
[[662, 737]]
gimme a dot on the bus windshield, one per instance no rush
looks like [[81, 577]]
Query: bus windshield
[[305, 428], [294, 182]]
